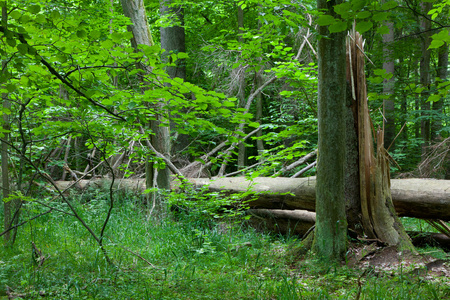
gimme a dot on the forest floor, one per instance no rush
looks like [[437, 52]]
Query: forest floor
[[195, 257]]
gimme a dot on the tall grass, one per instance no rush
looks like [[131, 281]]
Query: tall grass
[[187, 257]]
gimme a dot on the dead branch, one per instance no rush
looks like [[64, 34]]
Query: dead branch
[[297, 163]]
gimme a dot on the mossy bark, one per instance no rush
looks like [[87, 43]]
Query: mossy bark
[[330, 238]]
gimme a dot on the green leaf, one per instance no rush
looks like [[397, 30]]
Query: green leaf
[[11, 87], [419, 89], [228, 103], [108, 44], [41, 19], [15, 15], [436, 44], [25, 19], [34, 9], [379, 72], [11, 42], [55, 15], [24, 81], [434, 98], [362, 27], [383, 29], [325, 20], [357, 5], [381, 16], [224, 111], [95, 34], [389, 5], [343, 9], [81, 33], [23, 49], [182, 55], [439, 39], [116, 37], [339, 26], [363, 15], [253, 124]]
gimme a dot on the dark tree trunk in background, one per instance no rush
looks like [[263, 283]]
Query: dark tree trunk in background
[[173, 38], [352, 195], [259, 111], [330, 239], [442, 71], [388, 87], [425, 78], [241, 85], [7, 206]]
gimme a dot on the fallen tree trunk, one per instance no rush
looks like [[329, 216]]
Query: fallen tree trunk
[[298, 222], [418, 198], [282, 221]]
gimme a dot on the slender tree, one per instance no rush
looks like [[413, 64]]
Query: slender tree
[[241, 83], [425, 76], [135, 10], [173, 41], [331, 225], [437, 106], [388, 86], [7, 217]]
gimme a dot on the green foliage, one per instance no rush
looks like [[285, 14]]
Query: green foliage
[[200, 205], [165, 259]]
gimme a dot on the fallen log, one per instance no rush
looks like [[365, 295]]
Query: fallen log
[[282, 221], [298, 222], [418, 198]]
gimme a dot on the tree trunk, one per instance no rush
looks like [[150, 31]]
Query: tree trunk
[[173, 37], [241, 85], [425, 79], [173, 40], [7, 206], [330, 239], [378, 214], [417, 198], [259, 111], [436, 125], [135, 10], [352, 196], [388, 86]]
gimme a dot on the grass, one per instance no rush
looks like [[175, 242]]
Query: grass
[[191, 257]]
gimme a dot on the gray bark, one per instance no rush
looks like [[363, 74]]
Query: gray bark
[[173, 37], [417, 198], [241, 86], [330, 240], [135, 10], [173, 40], [259, 111]]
